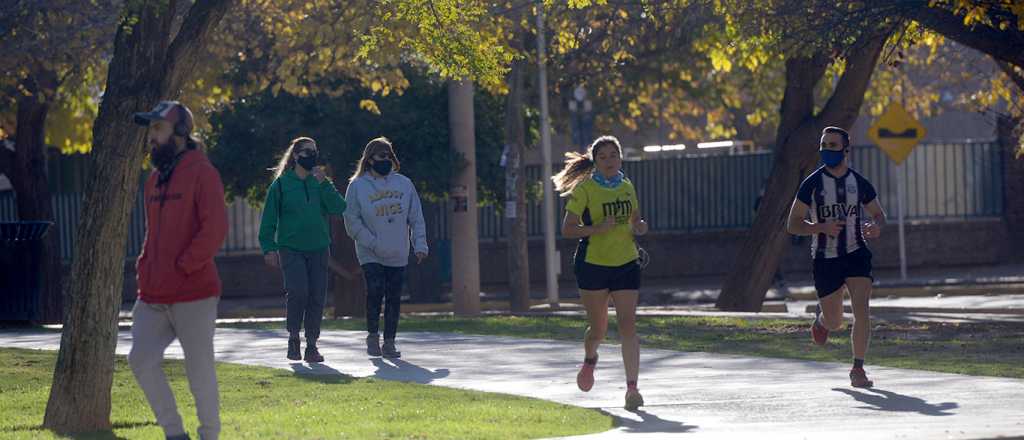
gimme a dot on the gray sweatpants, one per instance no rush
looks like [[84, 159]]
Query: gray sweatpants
[[154, 327], [305, 280]]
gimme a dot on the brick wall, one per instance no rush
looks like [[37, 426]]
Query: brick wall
[[709, 254]]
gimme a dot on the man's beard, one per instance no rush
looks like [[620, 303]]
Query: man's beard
[[162, 155]]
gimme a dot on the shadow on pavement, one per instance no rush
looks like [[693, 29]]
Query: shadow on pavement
[[399, 370], [651, 424], [320, 373], [882, 400]]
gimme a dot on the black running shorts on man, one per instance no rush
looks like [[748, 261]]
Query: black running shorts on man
[[831, 273], [841, 199]]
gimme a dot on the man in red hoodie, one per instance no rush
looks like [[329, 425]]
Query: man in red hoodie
[[186, 222]]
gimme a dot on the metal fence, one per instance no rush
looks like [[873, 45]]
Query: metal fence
[[946, 180], [678, 194], [243, 223], [708, 192], [694, 193]]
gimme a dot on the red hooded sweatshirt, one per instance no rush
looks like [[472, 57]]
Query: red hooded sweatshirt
[[186, 222]]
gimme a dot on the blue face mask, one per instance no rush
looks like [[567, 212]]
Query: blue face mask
[[612, 183], [832, 158]]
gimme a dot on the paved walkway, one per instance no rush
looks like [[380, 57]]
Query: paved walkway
[[689, 395]]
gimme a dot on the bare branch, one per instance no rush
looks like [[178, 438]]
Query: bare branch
[[844, 105], [184, 50], [1001, 45], [802, 73]]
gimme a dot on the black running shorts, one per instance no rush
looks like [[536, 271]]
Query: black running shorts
[[831, 273], [594, 277]]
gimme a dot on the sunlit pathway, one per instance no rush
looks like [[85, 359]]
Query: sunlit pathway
[[688, 395]]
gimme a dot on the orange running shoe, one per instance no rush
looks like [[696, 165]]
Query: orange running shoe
[[819, 334], [585, 378], [633, 400], [859, 379]]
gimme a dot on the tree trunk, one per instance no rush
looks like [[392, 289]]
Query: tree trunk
[[464, 232], [1009, 131], [515, 192], [144, 70], [29, 179], [795, 155]]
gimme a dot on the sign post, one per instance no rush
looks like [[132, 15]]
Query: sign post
[[551, 258], [897, 133], [900, 181]]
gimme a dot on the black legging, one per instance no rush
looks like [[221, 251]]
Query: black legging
[[383, 283]]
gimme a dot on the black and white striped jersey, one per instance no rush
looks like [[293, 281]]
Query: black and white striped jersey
[[840, 199]]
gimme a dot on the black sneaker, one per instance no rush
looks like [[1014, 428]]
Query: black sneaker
[[389, 349], [293, 349], [313, 355], [373, 345]]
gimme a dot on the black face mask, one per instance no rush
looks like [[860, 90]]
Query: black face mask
[[307, 162], [382, 167]]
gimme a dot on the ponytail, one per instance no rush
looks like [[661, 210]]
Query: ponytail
[[578, 168]]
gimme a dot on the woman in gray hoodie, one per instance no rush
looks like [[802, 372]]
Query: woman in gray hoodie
[[383, 215]]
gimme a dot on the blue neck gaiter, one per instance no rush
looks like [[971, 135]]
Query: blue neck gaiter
[[612, 183]]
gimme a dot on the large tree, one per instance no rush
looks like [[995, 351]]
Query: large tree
[[993, 28], [800, 125], [822, 28], [53, 51], [153, 56], [515, 190]]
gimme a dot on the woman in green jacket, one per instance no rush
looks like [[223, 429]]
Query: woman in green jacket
[[295, 237]]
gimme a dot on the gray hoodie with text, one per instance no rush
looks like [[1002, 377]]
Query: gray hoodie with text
[[383, 215]]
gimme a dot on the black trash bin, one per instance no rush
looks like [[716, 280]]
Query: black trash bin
[[21, 275]]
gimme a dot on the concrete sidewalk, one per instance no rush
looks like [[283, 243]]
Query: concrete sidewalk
[[1001, 279], [1004, 279], [688, 395]]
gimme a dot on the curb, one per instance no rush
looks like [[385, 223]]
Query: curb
[[951, 310]]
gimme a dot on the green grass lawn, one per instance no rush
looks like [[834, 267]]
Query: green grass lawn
[[986, 349], [266, 403]]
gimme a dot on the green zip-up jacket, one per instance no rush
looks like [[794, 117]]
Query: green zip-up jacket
[[295, 213]]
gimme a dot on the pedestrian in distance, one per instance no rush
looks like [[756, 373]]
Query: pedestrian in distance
[[384, 217], [296, 238]]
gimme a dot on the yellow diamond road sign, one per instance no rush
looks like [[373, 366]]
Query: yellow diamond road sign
[[896, 133]]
